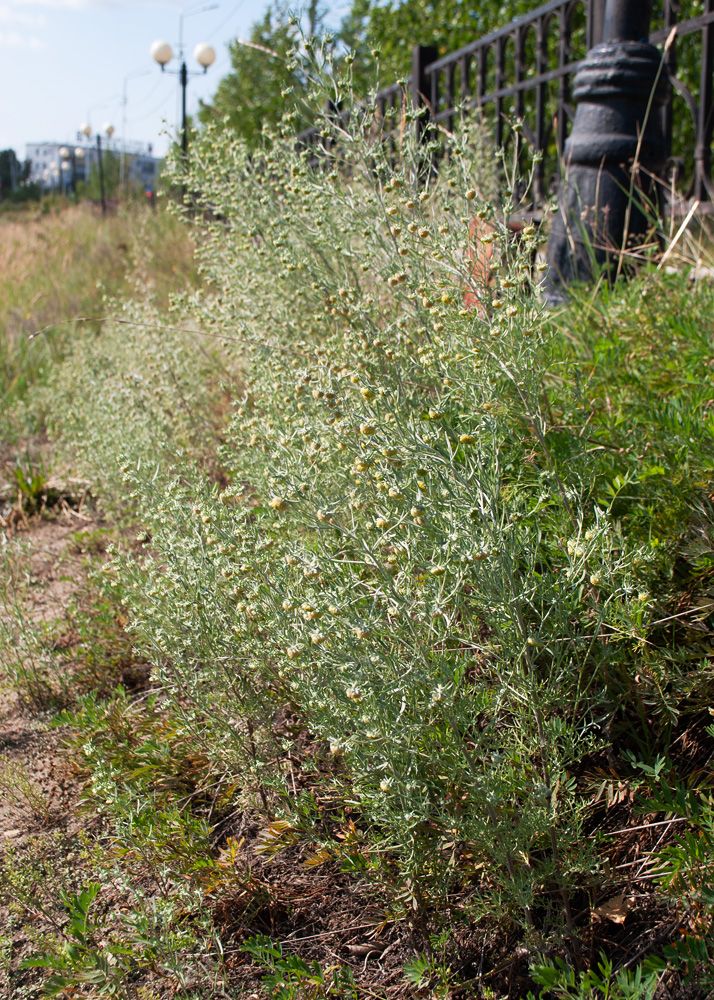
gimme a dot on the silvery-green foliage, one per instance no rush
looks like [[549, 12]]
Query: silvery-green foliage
[[142, 390], [400, 560], [399, 554]]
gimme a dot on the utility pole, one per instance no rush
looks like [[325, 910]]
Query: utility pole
[[124, 102]]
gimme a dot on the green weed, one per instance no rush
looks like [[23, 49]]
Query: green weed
[[558, 980], [288, 977]]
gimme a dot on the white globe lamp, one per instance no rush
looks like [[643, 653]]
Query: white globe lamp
[[205, 55], [162, 52], [86, 129]]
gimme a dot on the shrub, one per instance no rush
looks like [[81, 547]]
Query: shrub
[[400, 554], [422, 540]]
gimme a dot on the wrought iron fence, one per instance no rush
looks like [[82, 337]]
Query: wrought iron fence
[[524, 70]]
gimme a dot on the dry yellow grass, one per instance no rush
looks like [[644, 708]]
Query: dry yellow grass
[[57, 267]]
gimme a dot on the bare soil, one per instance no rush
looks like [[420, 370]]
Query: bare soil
[[39, 787]]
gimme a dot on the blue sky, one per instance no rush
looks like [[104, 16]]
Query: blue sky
[[63, 62]]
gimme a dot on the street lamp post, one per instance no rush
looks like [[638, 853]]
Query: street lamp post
[[205, 56], [66, 168], [109, 132], [79, 155], [77, 159]]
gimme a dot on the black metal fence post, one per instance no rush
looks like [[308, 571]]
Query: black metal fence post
[[703, 187], [620, 89], [421, 85]]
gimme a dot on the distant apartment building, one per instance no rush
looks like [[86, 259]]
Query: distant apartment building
[[140, 168]]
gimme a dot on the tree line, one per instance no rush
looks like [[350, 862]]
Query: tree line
[[266, 79]]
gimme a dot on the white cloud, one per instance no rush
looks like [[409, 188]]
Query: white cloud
[[62, 4], [81, 4], [16, 40], [11, 15]]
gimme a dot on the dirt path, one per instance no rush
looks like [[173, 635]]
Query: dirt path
[[39, 788]]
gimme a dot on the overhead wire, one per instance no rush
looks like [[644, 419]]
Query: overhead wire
[[153, 111], [147, 97], [225, 21]]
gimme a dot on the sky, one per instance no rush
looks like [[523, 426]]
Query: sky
[[66, 62]]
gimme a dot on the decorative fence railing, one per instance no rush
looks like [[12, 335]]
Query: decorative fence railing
[[525, 69]]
